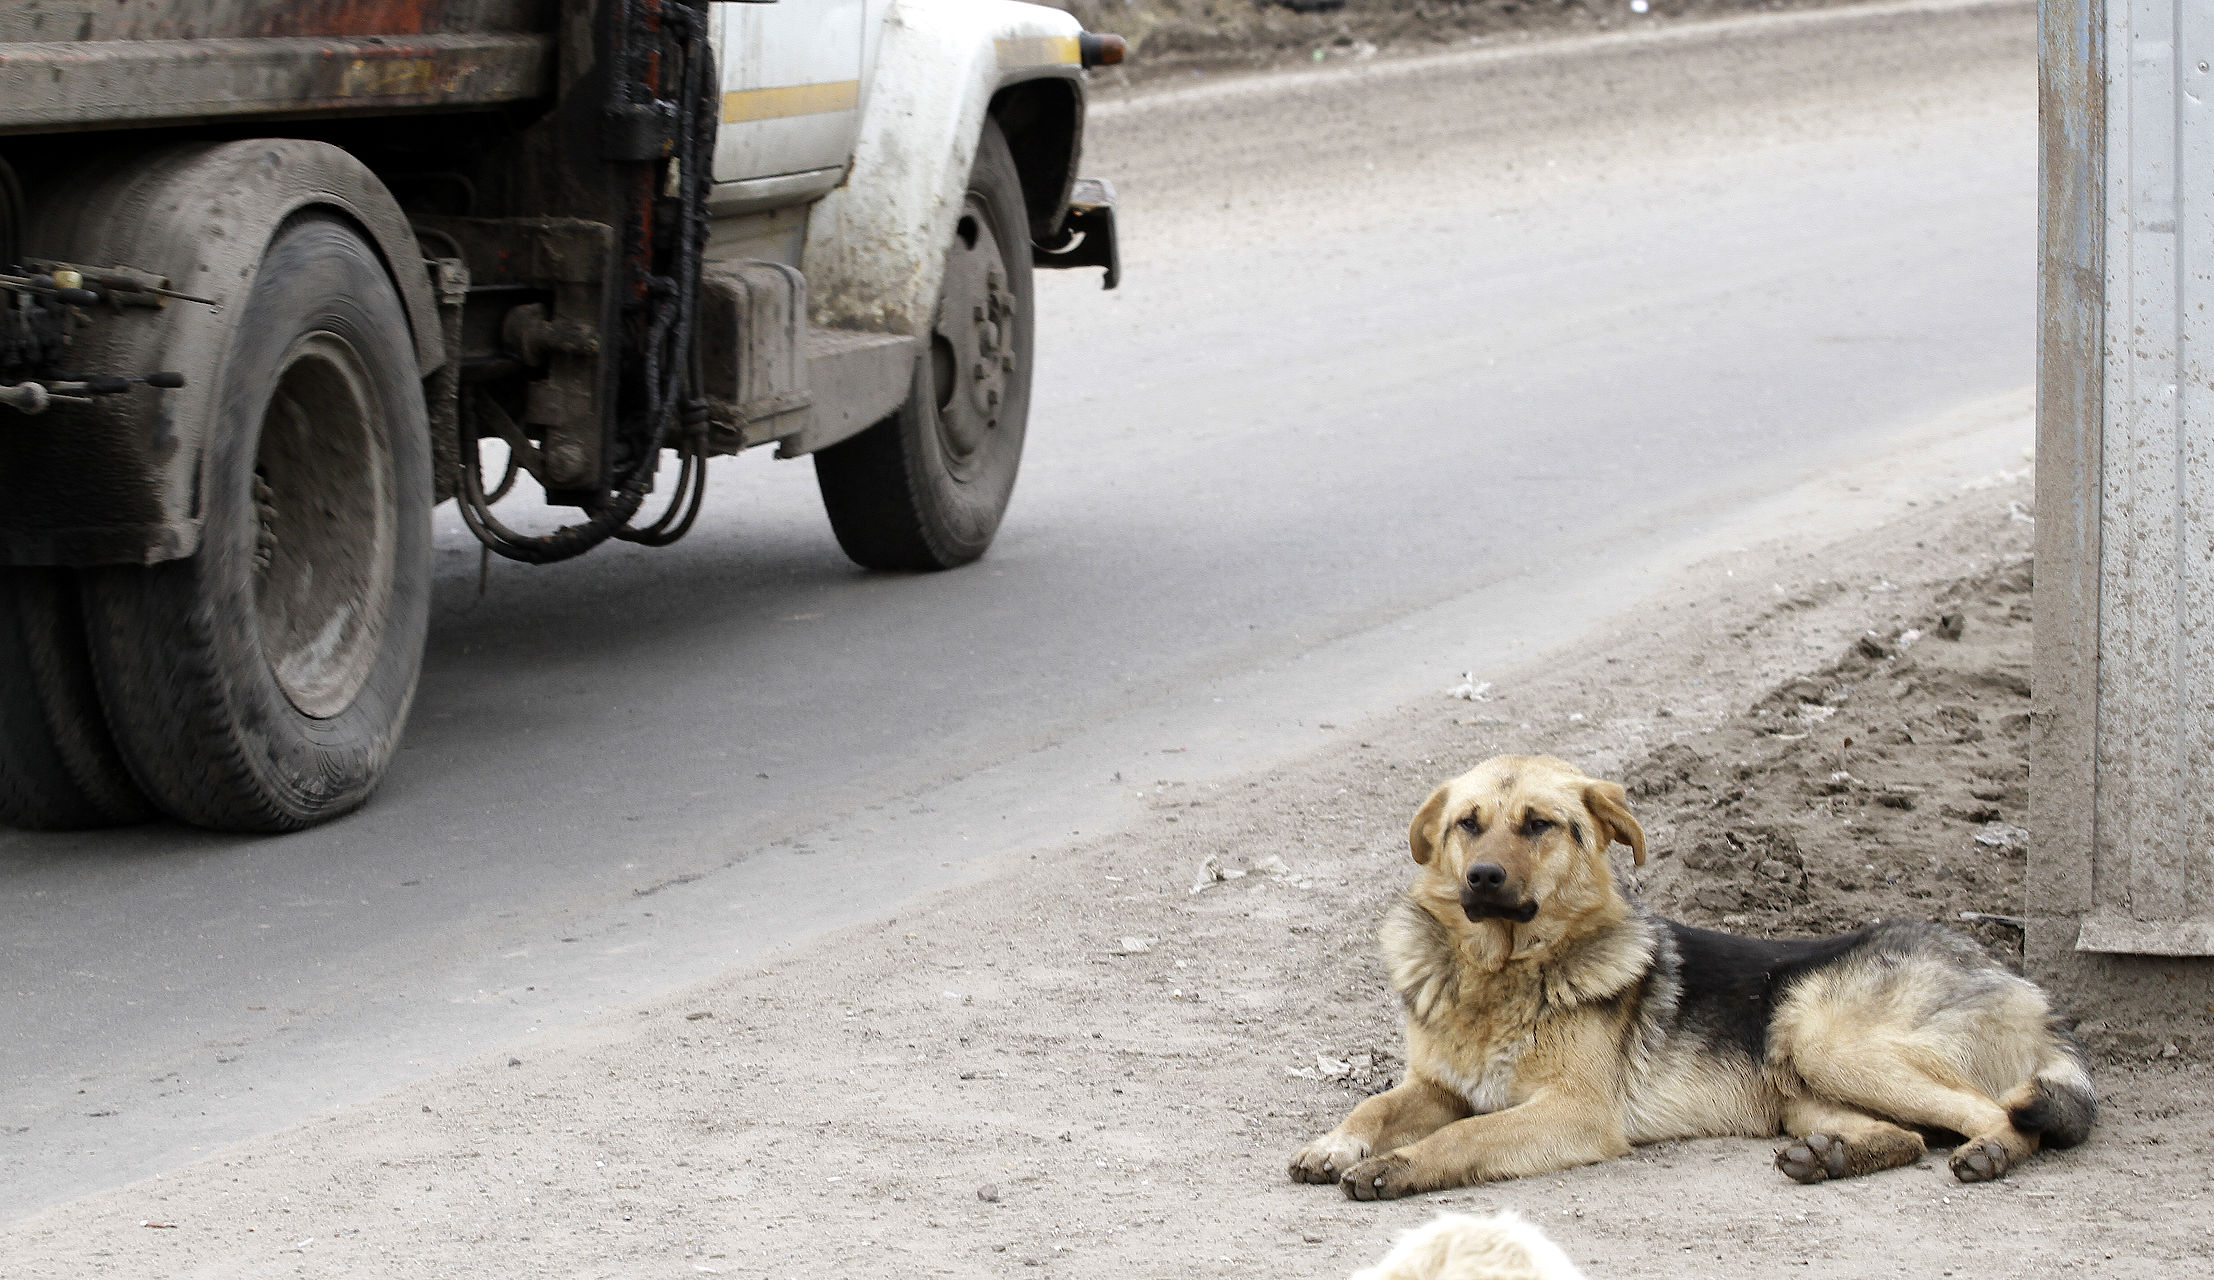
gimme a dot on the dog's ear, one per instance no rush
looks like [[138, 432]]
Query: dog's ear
[[1422, 833], [1609, 805]]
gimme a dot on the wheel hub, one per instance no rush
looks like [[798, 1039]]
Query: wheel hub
[[324, 540], [972, 352]]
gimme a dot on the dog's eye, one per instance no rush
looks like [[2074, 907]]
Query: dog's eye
[[1534, 826], [1470, 825]]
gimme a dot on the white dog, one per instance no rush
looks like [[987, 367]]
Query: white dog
[[1460, 1246]]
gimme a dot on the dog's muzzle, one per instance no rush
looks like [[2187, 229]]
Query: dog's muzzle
[[1486, 895], [1477, 909]]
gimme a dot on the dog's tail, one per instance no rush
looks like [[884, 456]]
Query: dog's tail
[[2059, 1103]]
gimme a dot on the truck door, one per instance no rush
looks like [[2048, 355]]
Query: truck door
[[791, 74]]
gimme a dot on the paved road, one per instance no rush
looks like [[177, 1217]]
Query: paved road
[[1410, 357]]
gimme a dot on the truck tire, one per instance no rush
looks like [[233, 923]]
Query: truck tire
[[59, 770], [58, 767], [925, 488], [263, 683]]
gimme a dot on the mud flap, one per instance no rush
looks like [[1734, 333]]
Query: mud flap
[[1087, 234]]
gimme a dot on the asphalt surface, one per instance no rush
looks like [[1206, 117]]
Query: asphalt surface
[[1396, 341]]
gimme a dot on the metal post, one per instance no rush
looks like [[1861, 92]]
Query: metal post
[[2122, 765]]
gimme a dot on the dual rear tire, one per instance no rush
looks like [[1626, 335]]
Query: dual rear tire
[[59, 769], [261, 684]]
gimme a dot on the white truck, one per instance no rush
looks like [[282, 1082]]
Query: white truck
[[276, 278]]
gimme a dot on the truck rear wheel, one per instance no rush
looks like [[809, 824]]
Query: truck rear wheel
[[262, 684], [925, 488], [59, 769], [58, 766]]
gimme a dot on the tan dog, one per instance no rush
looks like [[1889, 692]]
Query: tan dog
[[1553, 1022], [1460, 1246]]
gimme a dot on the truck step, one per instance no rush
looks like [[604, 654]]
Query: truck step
[[857, 378], [770, 376]]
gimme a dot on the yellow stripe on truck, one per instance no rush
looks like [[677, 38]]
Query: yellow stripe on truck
[[743, 105], [1038, 51]]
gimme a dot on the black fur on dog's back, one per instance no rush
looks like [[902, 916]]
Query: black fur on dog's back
[[1728, 986]]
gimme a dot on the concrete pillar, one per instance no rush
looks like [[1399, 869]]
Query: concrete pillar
[[2121, 874]]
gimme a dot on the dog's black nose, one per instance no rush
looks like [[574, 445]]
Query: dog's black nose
[[1487, 875]]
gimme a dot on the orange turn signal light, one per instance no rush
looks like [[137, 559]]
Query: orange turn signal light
[[1099, 50]]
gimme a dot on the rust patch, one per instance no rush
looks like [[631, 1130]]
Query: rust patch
[[401, 77], [112, 20], [354, 18]]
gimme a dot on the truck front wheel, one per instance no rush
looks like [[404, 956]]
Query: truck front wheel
[[925, 488], [262, 684]]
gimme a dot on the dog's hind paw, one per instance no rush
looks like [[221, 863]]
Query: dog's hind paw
[[1981, 1160], [1817, 1157], [1386, 1177], [1327, 1158]]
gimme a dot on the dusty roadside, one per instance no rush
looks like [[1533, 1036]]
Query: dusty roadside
[[1181, 37], [1079, 1064]]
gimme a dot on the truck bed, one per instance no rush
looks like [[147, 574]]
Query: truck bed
[[69, 65]]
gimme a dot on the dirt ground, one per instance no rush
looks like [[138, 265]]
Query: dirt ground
[[1183, 37], [1889, 783], [1095, 1059]]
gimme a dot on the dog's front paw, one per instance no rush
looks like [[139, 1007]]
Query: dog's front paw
[[1386, 1177], [1327, 1158]]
